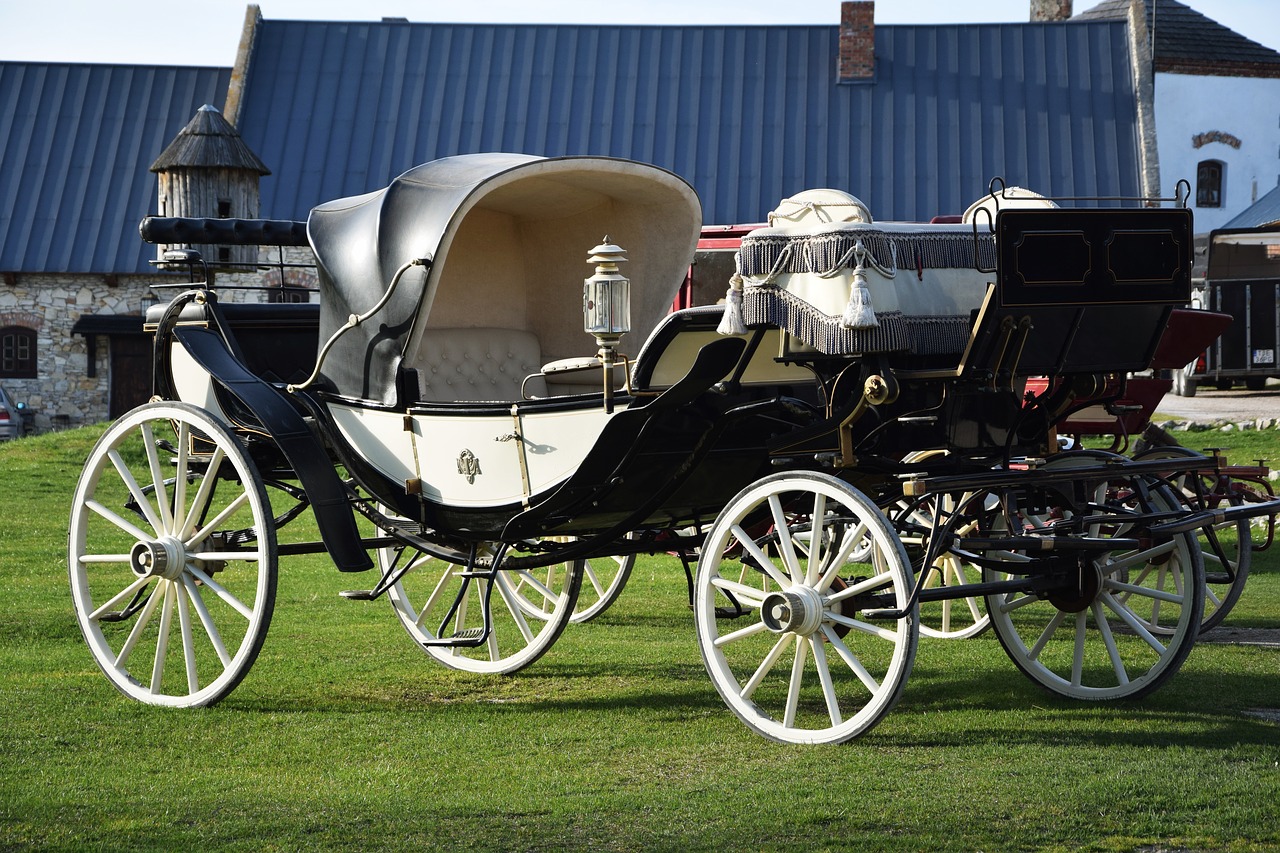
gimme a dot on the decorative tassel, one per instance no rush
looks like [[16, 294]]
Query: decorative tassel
[[731, 323], [859, 314]]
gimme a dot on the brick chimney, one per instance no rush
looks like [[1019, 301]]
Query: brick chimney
[[857, 41], [1050, 10]]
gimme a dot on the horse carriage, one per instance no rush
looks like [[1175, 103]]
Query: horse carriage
[[854, 419]]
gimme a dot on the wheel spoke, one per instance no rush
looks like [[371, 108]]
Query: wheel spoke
[[817, 526], [824, 678], [517, 615], [750, 546], [850, 660], [126, 526], [162, 641], [144, 619], [733, 636], [1034, 652], [766, 666], [1154, 593], [868, 585], [1109, 641], [786, 548], [1132, 621], [847, 546], [180, 478], [210, 628], [203, 495], [157, 477], [543, 589], [188, 646], [131, 483], [748, 594], [797, 680], [119, 597], [865, 627], [227, 511], [1077, 653], [222, 592]]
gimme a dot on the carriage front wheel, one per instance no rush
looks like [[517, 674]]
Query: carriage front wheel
[[172, 556], [813, 655]]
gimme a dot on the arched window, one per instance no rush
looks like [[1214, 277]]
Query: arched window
[[1209, 183], [17, 352]]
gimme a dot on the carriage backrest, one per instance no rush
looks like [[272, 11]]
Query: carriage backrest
[[1082, 290]]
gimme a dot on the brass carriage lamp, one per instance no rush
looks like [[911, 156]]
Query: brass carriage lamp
[[606, 308]]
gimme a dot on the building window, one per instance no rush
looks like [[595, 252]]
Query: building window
[[224, 208], [17, 352], [1209, 183]]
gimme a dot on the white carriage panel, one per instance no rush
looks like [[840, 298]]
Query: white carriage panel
[[469, 461], [192, 383], [555, 443], [379, 437]]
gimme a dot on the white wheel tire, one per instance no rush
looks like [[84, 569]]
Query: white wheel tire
[[530, 609], [173, 614], [802, 681], [1105, 651]]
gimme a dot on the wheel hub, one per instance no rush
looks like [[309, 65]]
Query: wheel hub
[[162, 558], [1080, 595], [797, 610]]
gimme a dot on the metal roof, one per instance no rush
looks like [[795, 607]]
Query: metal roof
[[748, 114], [1264, 211], [75, 144]]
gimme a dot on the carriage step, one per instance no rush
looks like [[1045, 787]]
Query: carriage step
[[467, 638], [358, 594]]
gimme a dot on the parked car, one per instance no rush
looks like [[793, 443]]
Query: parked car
[[10, 417]]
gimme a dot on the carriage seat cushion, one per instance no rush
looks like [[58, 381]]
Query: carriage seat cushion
[[478, 364]]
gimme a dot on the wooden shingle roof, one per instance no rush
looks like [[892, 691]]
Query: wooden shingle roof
[[1187, 42]]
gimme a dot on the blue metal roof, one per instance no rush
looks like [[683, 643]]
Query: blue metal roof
[[1264, 211], [747, 114], [75, 144]]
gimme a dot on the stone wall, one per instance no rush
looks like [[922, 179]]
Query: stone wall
[[63, 392]]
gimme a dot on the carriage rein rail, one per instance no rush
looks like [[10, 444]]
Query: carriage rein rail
[[355, 320], [997, 191]]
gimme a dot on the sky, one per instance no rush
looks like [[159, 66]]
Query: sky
[[207, 32]]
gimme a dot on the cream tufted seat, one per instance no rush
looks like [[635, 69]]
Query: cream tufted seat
[[481, 364]]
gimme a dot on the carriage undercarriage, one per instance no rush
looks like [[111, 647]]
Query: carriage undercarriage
[[837, 503]]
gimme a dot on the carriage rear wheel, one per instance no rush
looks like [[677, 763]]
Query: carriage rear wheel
[[1095, 640], [950, 618], [528, 608], [1226, 547], [172, 556], [604, 579], [809, 660]]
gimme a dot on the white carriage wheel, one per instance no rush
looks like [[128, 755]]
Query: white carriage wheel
[[1089, 644], [806, 663], [604, 579], [172, 556], [950, 618], [529, 609], [1225, 573]]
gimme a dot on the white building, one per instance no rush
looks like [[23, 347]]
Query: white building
[[1216, 106]]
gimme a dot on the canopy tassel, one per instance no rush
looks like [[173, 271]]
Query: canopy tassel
[[731, 323]]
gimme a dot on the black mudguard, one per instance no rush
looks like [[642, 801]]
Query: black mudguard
[[285, 425]]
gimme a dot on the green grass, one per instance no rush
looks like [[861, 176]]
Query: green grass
[[345, 735]]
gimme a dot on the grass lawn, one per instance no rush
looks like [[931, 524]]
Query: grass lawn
[[345, 734]]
